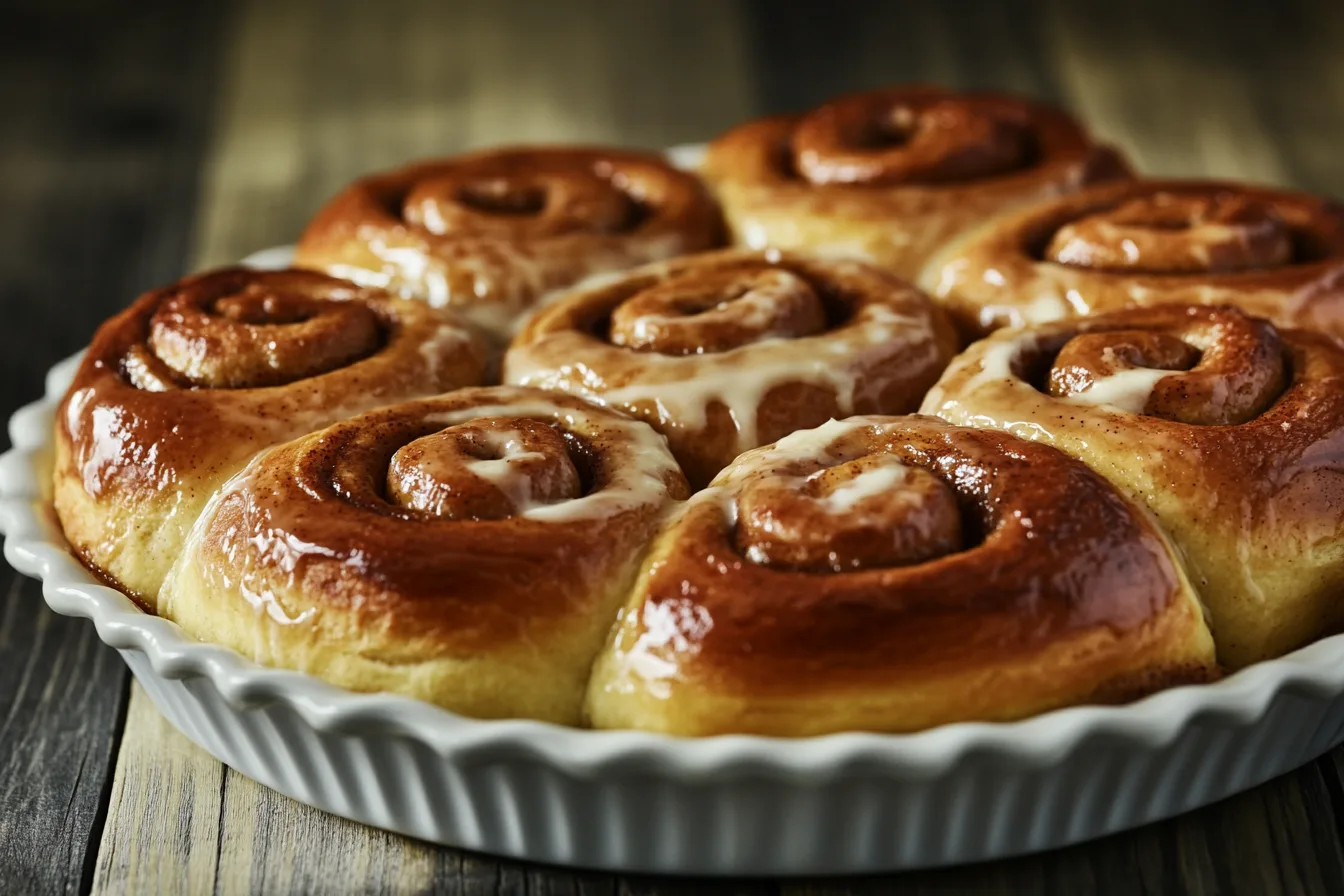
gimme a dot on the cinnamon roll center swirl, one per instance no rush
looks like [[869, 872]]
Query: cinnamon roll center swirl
[[519, 204], [873, 511], [709, 311], [1220, 367], [490, 468], [1176, 233], [247, 330], [872, 140]]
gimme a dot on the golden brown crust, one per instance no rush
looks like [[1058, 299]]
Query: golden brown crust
[[726, 351], [490, 232], [178, 391], [1237, 447], [893, 174], [468, 549], [1275, 253], [1048, 589]]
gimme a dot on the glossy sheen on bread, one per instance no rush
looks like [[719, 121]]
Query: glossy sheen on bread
[[180, 390], [892, 574], [891, 175], [1229, 429], [469, 550]]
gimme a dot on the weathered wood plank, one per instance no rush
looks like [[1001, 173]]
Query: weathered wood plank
[[61, 694], [104, 113], [164, 818]]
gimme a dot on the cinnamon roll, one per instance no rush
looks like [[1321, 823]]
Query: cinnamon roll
[[489, 232], [893, 574], [726, 351], [177, 392], [1274, 253], [469, 550], [892, 174], [1229, 429]]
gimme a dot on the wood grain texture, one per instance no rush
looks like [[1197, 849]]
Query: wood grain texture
[[165, 817], [102, 109], [60, 703], [100, 187]]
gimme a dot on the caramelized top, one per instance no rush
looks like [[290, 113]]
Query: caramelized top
[[911, 136], [239, 329], [716, 309], [1275, 253], [196, 377], [876, 546], [1173, 233], [491, 231], [463, 519]]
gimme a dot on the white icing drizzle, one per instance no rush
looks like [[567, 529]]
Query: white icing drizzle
[[879, 480], [639, 479], [682, 400], [508, 278], [448, 339], [504, 472], [809, 444], [756, 309], [741, 391], [803, 446], [995, 357], [1125, 390]]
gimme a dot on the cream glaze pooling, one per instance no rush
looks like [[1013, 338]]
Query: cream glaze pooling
[[857, 341], [1127, 390], [640, 481]]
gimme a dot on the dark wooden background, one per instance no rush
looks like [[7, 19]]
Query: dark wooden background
[[141, 140]]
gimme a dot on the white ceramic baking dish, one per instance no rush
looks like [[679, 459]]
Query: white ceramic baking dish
[[723, 805]]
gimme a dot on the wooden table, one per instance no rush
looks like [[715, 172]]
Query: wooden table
[[142, 140]]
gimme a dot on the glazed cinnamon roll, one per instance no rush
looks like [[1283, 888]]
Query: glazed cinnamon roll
[[489, 232], [893, 574], [1274, 253], [726, 351], [1229, 429], [469, 550], [180, 390], [891, 175]]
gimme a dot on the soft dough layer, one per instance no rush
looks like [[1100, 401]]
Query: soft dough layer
[[1229, 429], [893, 574], [180, 390], [469, 550], [726, 351], [890, 175]]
